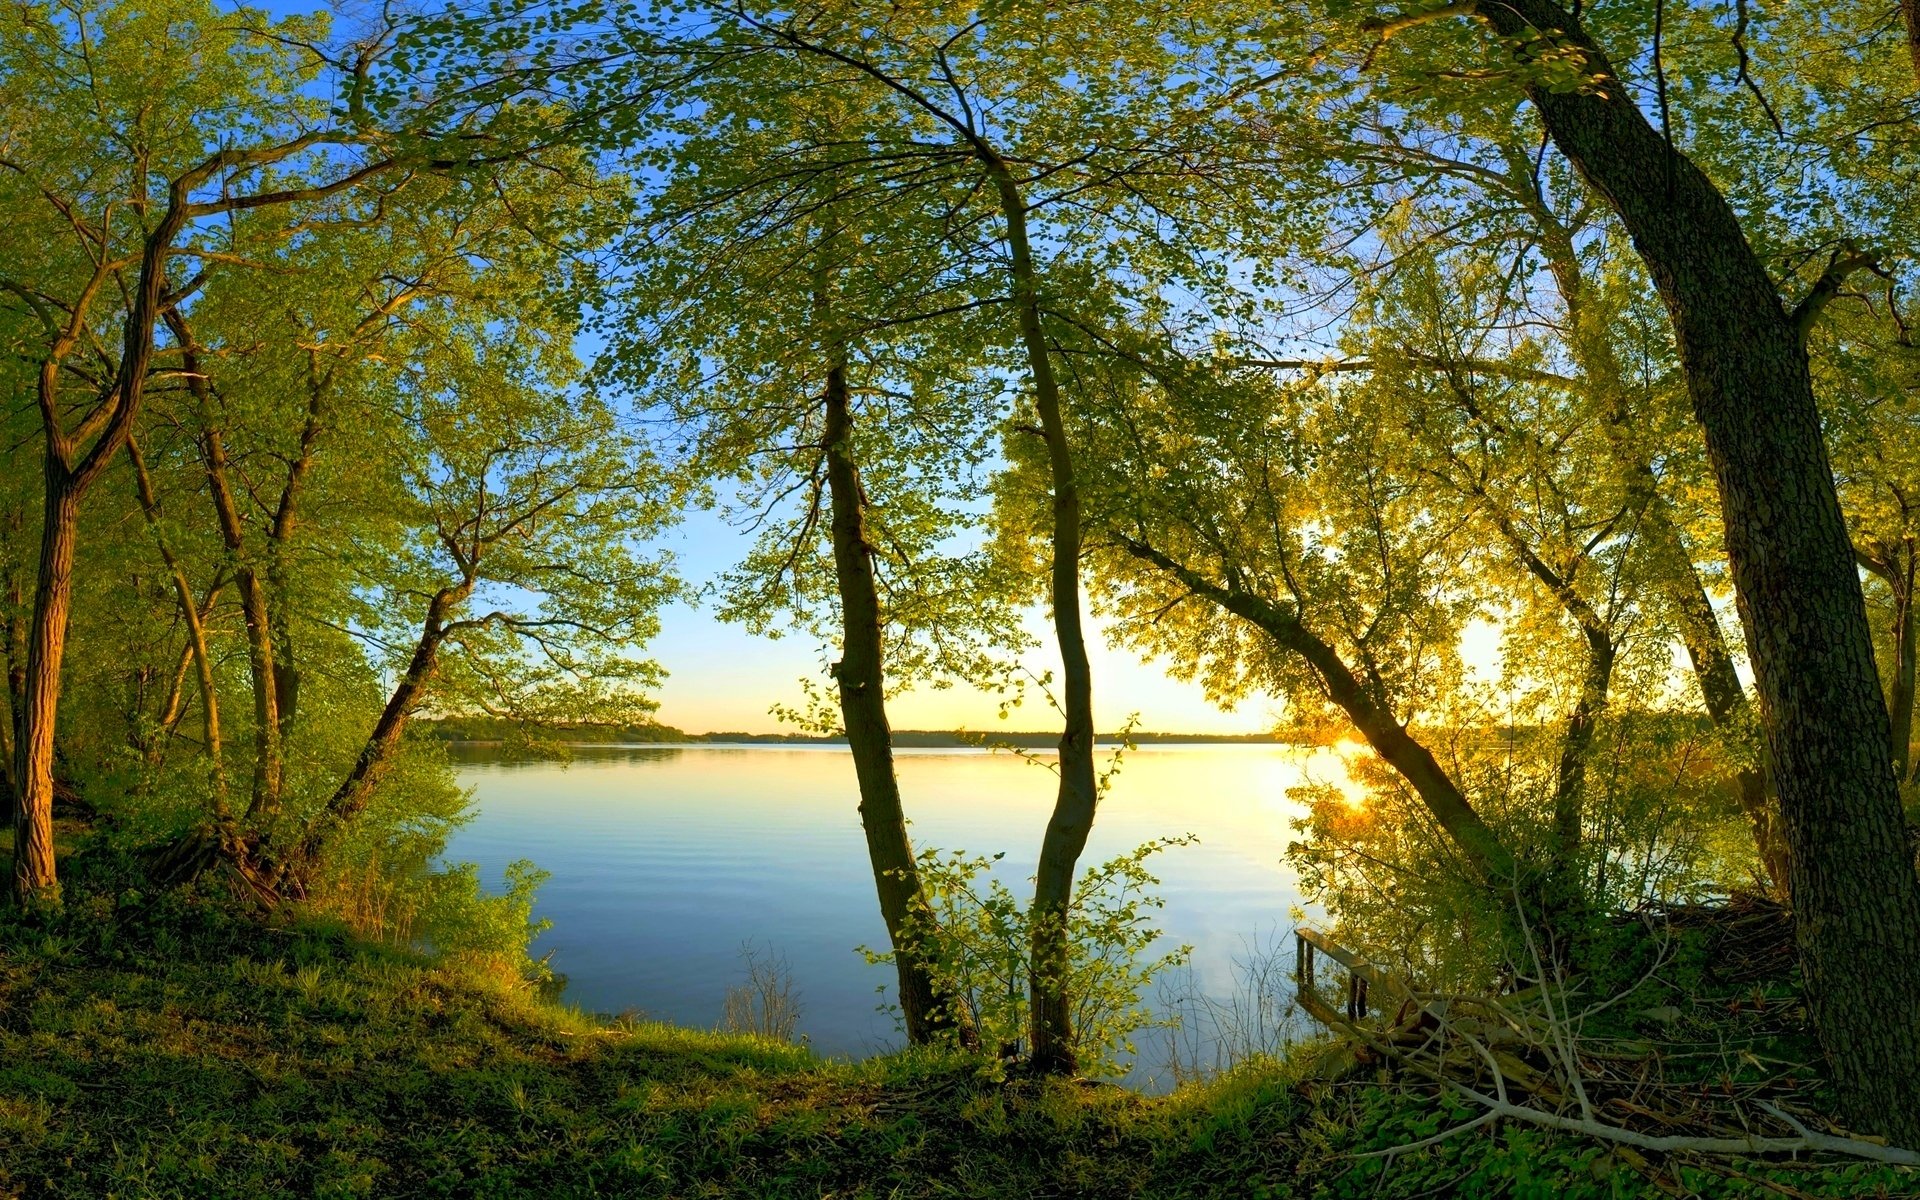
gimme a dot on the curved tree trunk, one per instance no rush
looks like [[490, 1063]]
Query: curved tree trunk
[[1856, 896], [1053, 1049], [351, 797], [1487, 856], [861, 681]]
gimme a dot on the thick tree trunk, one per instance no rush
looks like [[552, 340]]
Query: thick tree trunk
[[34, 878], [1486, 855], [1053, 1049], [1856, 896], [196, 631], [860, 678]]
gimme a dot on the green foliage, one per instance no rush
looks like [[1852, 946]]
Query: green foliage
[[978, 939]]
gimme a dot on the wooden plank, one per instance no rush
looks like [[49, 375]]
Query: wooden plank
[[1376, 977]]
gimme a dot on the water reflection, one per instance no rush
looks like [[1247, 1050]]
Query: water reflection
[[667, 859]]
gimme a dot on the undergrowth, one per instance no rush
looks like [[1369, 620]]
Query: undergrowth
[[170, 1044]]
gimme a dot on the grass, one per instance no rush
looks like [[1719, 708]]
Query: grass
[[161, 1046], [165, 1045]]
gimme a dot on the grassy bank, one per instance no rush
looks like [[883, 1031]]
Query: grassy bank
[[168, 1045]]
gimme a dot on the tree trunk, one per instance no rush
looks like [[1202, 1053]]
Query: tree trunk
[[34, 879], [1678, 578], [264, 801], [196, 632], [1576, 749], [860, 678], [1894, 564], [1053, 1049], [351, 797], [1856, 896], [1487, 856], [286, 670]]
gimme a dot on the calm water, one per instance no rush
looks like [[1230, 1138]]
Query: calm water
[[666, 860]]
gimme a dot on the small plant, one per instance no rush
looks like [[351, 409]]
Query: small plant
[[978, 935], [767, 1004]]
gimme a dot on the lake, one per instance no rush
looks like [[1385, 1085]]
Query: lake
[[667, 860]]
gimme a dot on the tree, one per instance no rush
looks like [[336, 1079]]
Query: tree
[[1856, 895], [231, 133]]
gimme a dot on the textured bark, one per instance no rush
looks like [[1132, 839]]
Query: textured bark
[[196, 633], [1856, 896], [34, 876], [1486, 854], [1053, 1049], [860, 677], [264, 800]]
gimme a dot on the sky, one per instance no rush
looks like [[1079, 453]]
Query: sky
[[721, 677]]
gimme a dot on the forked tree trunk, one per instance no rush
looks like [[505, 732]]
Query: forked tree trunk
[[1053, 1050], [268, 767], [860, 676], [1856, 896]]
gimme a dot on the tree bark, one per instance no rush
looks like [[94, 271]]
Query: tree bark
[[196, 632], [1053, 1050], [34, 877], [1856, 896], [860, 678]]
